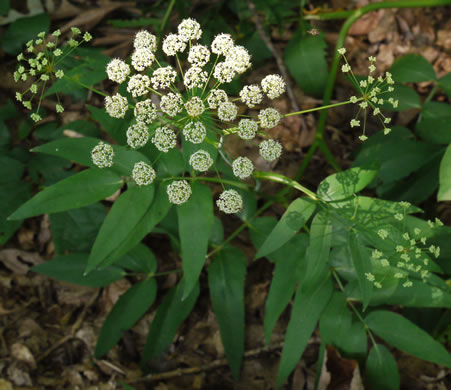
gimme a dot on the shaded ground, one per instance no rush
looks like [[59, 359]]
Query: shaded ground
[[48, 329]]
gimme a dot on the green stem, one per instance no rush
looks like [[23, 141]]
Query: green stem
[[319, 108], [85, 86], [233, 183], [166, 17], [284, 180]]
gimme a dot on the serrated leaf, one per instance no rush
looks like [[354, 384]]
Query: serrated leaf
[[172, 311], [361, 260], [76, 191], [125, 313], [412, 68], [123, 216], [288, 271], [226, 276], [406, 336], [342, 185], [444, 192], [307, 308], [318, 249], [195, 219], [71, 268], [381, 369], [310, 52], [296, 215]]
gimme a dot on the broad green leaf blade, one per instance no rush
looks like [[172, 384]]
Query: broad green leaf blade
[[125, 313], [412, 68], [296, 215], [310, 52], [226, 276], [195, 219], [307, 308], [170, 314], [342, 185], [318, 250], [155, 213], [362, 264], [75, 230], [335, 321], [445, 84], [444, 191], [126, 212], [76, 191], [406, 336], [408, 99], [139, 259], [113, 126], [287, 273], [381, 369], [71, 268]]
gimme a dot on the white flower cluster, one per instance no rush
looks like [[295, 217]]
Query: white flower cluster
[[102, 155], [373, 94], [201, 105]]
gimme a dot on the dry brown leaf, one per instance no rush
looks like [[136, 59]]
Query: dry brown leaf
[[22, 353], [19, 261]]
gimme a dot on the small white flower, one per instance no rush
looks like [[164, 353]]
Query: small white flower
[[137, 135], [117, 70], [199, 55], [144, 39], [240, 58], [138, 85], [59, 108], [163, 77], [273, 85], [247, 129], [242, 167], [171, 104], [345, 68], [164, 139], [195, 132], [143, 174], [195, 77], [251, 95], [227, 111], [222, 44], [230, 202], [201, 161], [142, 58], [270, 150], [216, 97], [354, 123], [179, 192], [102, 155], [363, 137], [224, 72], [173, 44], [189, 30], [387, 130], [195, 107], [269, 118], [145, 111], [116, 105], [342, 51]]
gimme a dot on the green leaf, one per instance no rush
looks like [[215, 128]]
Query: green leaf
[[404, 335], [226, 276], [139, 259], [195, 219], [4, 7], [22, 30], [335, 320], [342, 185], [125, 213], [444, 192], [71, 268], [318, 250], [170, 314], [309, 51], [412, 68], [361, 259], [125, 313], [296, 215], [381, 369], [408, 99], [445, 84], [75, 230], [434, 124], [288, 272], [76, 191], [117, 128], [155, 213], [307, 308]]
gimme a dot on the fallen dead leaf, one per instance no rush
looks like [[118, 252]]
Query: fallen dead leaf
[[19, 261]]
